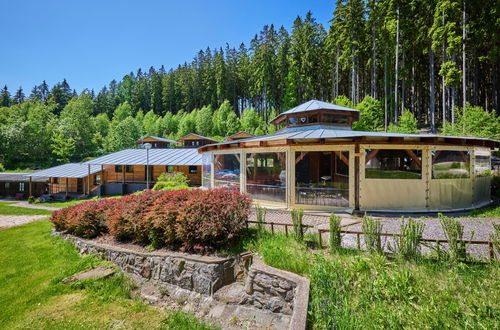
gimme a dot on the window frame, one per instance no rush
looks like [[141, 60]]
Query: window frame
[[419, 153], [118, 168]]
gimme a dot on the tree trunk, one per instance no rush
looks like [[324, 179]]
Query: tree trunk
[[374, 64], [442, 77], [353, 78], [432, 102], [397, 71], [337, 74]]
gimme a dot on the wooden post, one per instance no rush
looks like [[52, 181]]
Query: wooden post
[[358, 241], [286, 230], [31, 186], [66, 186], [356, 176], [88, 181], [102, 179], [320, 241], [272, 227], [491, 251]]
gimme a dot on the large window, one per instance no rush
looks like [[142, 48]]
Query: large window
[[266, 176], [482, 165], [322, 178], [227, 171], [450, 164], [206, 169], [393, 164]]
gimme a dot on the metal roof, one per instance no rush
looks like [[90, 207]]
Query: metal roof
[[156, 138], [331, 132], [180, 156], [71, 170], [314, 105], [20, 177]]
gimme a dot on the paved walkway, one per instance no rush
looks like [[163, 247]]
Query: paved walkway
[[35, 206], [7, 221]]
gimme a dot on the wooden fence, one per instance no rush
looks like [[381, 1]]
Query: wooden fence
[[358, 234]]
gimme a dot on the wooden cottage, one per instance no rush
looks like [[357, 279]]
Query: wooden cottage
[[193, 140], [156, 142], [240, 135]]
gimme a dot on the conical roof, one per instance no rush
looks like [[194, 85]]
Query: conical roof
[[313, 105]]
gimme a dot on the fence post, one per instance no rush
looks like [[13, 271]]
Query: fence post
[[492, 252], [320, 241], [358, 241], [272, 228], [286, 230]]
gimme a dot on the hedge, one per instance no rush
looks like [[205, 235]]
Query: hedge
[[199, 220]]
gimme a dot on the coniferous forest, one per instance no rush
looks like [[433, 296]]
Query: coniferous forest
[[406, 65]]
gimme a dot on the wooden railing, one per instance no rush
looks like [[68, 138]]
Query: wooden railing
[[491, 252], [358, 234]]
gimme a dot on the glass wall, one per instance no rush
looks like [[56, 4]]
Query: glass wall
[[322, 178], [393, 164], [266, 176], [206, 168], [450, 164], [227, 171], [482, 166]]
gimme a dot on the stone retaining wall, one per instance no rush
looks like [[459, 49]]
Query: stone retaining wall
[[195, 273], [266, 288], [278, 291]]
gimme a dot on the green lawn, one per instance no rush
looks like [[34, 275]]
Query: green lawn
[[7, 209], [383, 174], [31, 296], [353, 289], [71, 202]]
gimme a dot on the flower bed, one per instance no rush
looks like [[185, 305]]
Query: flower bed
[[196, 219]]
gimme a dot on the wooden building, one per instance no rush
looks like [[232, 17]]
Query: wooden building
[[19, 185], [156, 142], [127, 171], [239, 136], [193, 140], [316, 161], [71, 179]]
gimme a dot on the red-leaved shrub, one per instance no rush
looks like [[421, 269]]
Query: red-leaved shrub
[[190, 219], [87, 219], [128, 221], [211, 218]]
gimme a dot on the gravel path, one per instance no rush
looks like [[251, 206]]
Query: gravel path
[[35, 206], [7, 221], [482, 227]]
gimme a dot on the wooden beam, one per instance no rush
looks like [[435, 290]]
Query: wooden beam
[[31, 187], [301, 156], [342, 157], [414, 157], [372, 154], [66, 187], [356, 177]]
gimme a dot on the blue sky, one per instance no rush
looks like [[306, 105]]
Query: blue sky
[[92, 42]]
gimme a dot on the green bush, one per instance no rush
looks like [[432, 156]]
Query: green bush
[[260, 214], [171, 181], [335, 232], [2, 168], [297, 215], [454, 232], [495, 238], [408, 244], [31, 200], [371, 234]]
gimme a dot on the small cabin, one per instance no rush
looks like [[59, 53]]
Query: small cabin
[[156, 142], [239, 136], [193, 140]]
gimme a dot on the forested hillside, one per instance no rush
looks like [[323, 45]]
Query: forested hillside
[[402, 63]]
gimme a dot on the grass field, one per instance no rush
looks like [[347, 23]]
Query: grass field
[[7, 209], [31, 296], [71, 202], [353, 289]]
